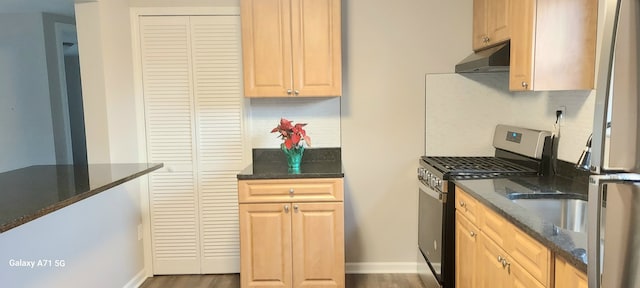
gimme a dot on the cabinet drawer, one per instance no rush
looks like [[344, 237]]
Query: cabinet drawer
[[495, 226], [531, 255], [286, 190], [467, 205]]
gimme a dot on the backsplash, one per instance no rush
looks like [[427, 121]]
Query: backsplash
[[322, 116], [460, 106]]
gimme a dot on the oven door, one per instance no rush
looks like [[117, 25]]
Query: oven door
[[431, 213]]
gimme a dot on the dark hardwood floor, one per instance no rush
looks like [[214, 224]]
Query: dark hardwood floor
[[233, 281]]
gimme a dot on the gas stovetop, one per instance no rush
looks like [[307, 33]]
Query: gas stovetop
[[476, 167]]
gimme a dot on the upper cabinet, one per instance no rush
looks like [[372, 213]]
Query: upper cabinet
[[490, 22], [553, 45], [291, 48]]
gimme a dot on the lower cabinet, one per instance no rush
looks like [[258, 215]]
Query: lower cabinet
[[568, 276], [496, 268], [293, 243], [466, 246], [491, 252]]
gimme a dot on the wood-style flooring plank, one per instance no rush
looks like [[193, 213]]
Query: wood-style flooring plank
[[233, 281]]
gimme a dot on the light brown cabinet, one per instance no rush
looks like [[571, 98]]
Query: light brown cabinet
[[553, 45], [568, 276], [291, 233], [291, 48], [466, 246], [492, 252], [490, 23]]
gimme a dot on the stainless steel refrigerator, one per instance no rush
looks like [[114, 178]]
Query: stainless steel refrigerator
[[614, 192]]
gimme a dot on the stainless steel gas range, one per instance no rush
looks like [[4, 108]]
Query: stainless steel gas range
[[519, 152]]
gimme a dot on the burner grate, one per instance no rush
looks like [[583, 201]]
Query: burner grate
[[464, 166]]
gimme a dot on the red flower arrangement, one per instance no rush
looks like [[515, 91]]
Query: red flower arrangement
[[292, 134]]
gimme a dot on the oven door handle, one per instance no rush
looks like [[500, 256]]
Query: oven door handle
[[433, 193]]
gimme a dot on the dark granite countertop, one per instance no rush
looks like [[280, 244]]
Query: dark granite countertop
[[497, 194], [35, 191], [272, 164]]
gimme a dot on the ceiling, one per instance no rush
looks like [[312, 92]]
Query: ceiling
[[61, 7]]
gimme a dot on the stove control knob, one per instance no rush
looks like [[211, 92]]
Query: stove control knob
[[421, 173]]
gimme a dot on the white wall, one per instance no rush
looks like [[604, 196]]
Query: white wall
[[25, 107], [478, 102], [387, 49], [93, 237], [321, 115]]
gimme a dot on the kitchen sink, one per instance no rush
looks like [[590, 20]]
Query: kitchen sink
[[567, 214]]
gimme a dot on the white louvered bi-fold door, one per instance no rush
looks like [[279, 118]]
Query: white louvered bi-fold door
[[194, 125]]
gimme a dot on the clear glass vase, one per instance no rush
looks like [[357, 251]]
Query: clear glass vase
[[294, 156]]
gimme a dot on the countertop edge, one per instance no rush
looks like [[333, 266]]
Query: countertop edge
[[289, 176], [549, 243], [64, 203]]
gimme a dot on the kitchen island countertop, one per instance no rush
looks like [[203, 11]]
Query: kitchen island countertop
[[272, 164], [35, 191]]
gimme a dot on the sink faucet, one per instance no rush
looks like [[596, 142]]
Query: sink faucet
[[585, 158], [584, 162]]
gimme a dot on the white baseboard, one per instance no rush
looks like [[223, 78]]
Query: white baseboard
[[380, 267], [137, 280]]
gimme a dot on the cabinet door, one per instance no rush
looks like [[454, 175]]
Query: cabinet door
[[568, 276], [316, 40], [266, 47], [466, 236], [318, 245], [520, 278], [479, 24], [265, 245], [490, 272], [534, 257], [490, 23], [498, 20], [522, 37]]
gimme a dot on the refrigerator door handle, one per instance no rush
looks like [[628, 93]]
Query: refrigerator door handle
[[593, 231]]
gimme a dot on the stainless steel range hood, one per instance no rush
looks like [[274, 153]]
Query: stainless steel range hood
[[495, 59]]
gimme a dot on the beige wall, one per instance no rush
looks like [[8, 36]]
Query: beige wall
[[387, 49]]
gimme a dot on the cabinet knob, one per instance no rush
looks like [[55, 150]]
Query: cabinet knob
[[473, 234], [289, 91], [462, 204], [295, 208], [524, 84], [500, 258], [291, 191], [286, 208], [297, 92]]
